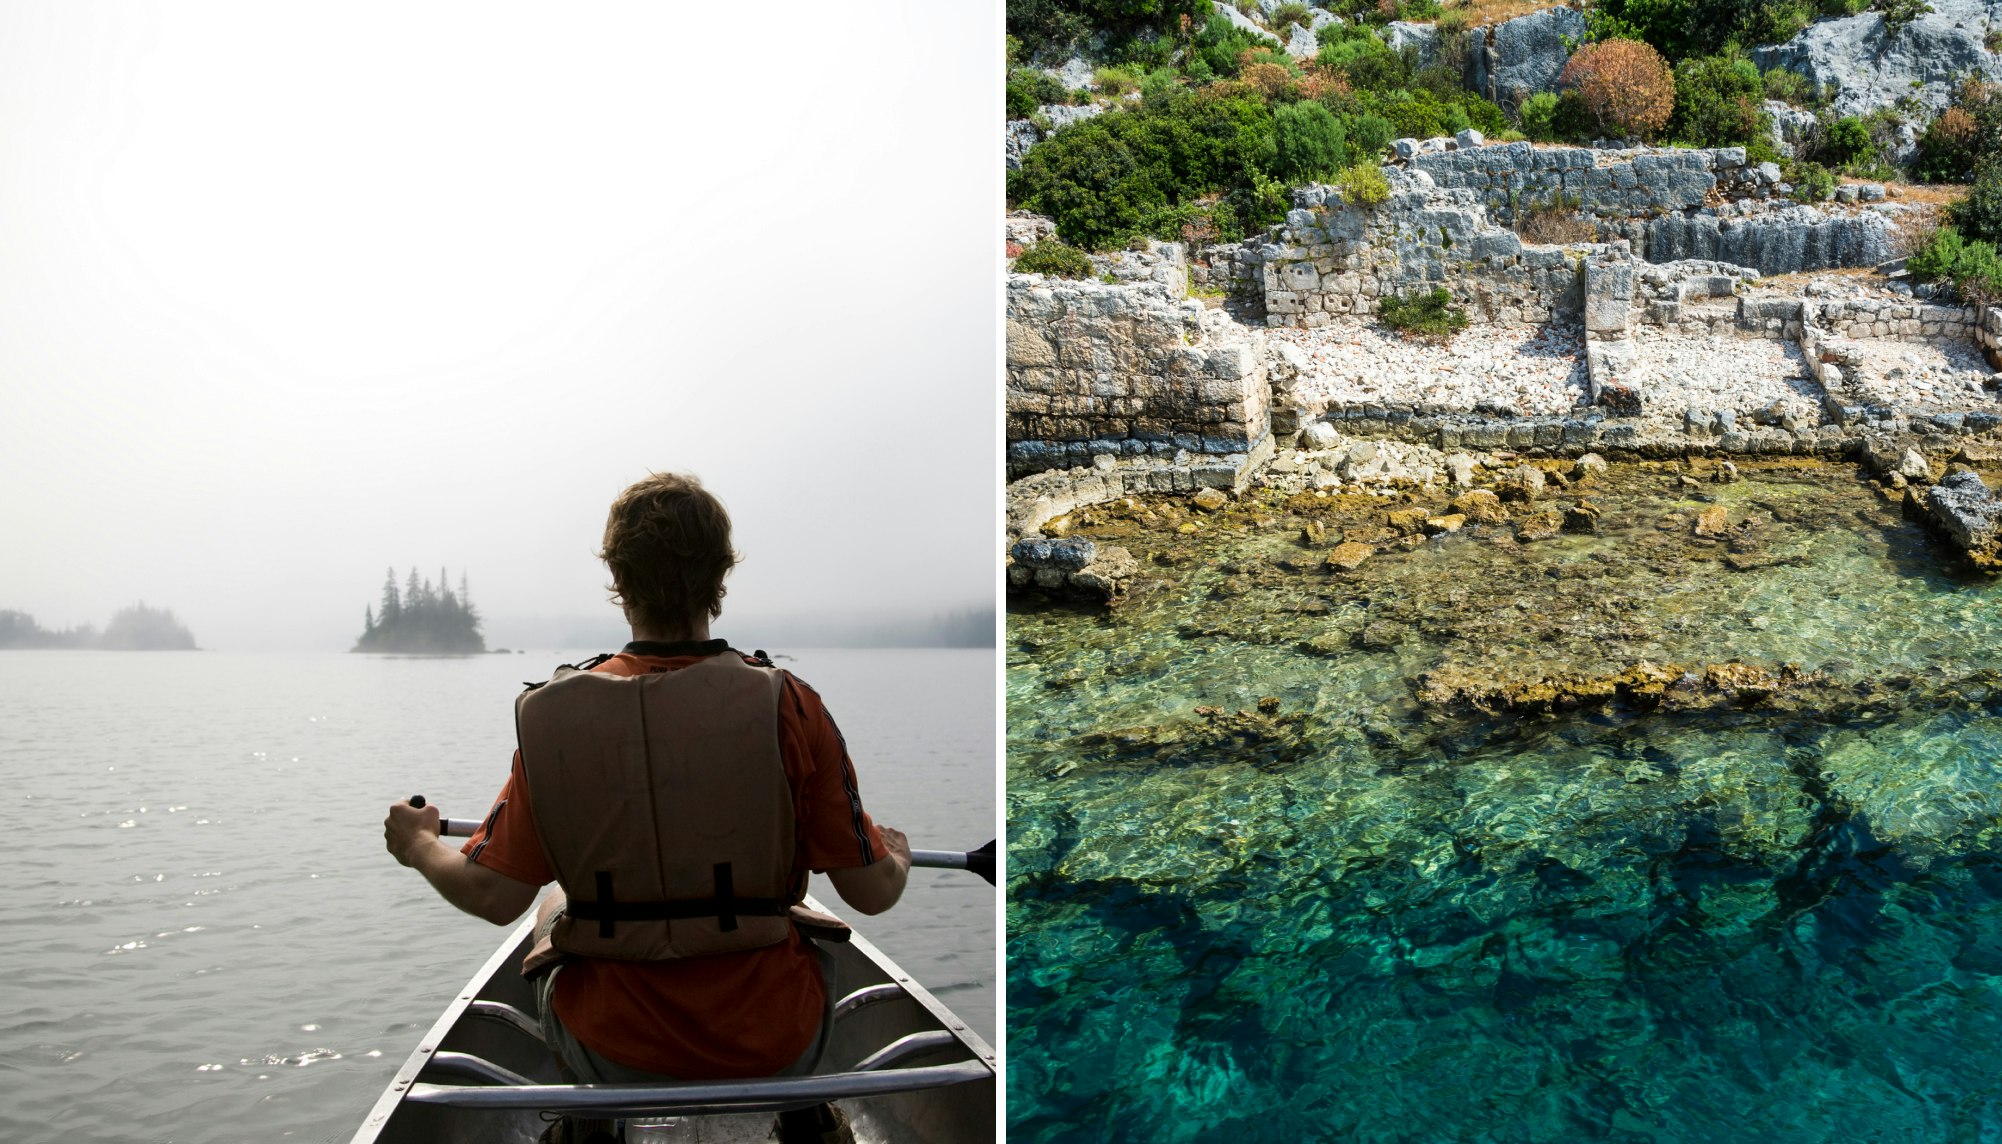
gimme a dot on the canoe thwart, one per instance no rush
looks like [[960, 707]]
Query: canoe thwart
[[909, 1045], [868, 995], [479, 1068], [507, 1015], [699, 1097]]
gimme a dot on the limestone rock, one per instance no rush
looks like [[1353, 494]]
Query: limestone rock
[[1872, 68], [1451, 522], [1479, 506], [1542, 526], [1789, 127], [1313, 534], [1422, 39], [1461, 468], [1210, 500], [1523, 56], [1302, 44], [1581, 517], [1589, 465], [1348, 557], [1319, 435], [1408, 520], [1522, 483], [1963, 510], [1712, 521]]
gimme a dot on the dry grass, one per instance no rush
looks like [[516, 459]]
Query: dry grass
[[1480, 13], [1932, 194], [1553, 224], [1913, 233]]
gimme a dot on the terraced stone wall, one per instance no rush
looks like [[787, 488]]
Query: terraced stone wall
[[1640, 182], [1128, 371], [1333, 258]]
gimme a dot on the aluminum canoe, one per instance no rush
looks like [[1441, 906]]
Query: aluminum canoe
[[902, 1065]]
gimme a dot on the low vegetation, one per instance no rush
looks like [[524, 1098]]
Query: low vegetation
[[1208, 124], [1054, 257], [1431, 316]]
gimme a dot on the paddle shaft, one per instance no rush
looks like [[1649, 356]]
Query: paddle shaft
[[928, 859]]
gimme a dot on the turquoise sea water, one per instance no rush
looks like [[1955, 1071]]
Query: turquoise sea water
[[1358, 915]]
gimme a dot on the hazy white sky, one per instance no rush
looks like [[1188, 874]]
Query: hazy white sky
[[292, 293]]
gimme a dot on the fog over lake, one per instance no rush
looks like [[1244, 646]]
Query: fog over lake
[[291, 295]]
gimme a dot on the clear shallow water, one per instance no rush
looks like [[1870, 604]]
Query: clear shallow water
[[203, 939], [1364, 917]]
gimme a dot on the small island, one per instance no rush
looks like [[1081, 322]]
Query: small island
[[422, 620], [137, 628]]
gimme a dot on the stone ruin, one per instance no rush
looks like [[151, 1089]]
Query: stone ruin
[[1176, 372]]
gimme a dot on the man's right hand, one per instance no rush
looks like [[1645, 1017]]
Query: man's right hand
[[895, 842], [407, 828]]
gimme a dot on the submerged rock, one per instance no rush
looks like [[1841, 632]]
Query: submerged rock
[[1542, 526]]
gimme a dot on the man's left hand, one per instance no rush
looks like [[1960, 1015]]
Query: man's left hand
[[407, 828]]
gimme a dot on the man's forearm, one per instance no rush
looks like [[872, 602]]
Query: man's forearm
[[875, 887], [470, 886]]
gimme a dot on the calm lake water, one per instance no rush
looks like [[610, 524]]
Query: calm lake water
[[202, 938]]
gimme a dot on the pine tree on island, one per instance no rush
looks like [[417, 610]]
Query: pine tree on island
[[422, 620]]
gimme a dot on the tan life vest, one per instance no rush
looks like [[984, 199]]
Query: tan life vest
[[662, 805]]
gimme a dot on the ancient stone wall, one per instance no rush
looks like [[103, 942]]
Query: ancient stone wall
[[1899, 320], [1126, 371], [1333, 258], [1638, 182], [1672, 205]]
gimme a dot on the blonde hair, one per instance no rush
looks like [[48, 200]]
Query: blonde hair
[[667, 544]]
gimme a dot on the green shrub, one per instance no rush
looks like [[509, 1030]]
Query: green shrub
[[1974, 268], [1054, 257], [1418, 11], [1812, 182], [1131, 171], [1536, 117], [1790, 87], [1114, 81], [1430, 315], [1030, 88], [1365, 61], [1287, 15], [1948, 148], [1898, 13], [1979, 215], [1573, 120], [1308, 142], [1363, 185], [1845, 141], [1125, 27], [1369, 136], [1220, 45], [1717, 101]]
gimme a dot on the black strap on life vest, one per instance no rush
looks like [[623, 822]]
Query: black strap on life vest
[[726, 906], [533, 684]]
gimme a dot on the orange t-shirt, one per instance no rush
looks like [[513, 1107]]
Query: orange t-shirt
[[725, 1015]]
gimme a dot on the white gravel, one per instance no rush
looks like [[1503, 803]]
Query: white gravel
[[1527, 369], [1937, 374], [1678, 372]]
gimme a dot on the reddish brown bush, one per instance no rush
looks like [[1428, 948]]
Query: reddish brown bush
[[1269, 80], [1627, 87]]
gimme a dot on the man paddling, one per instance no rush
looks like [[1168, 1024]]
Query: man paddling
[[679, 791]]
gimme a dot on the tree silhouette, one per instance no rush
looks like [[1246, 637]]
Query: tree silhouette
[[423, 620]]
